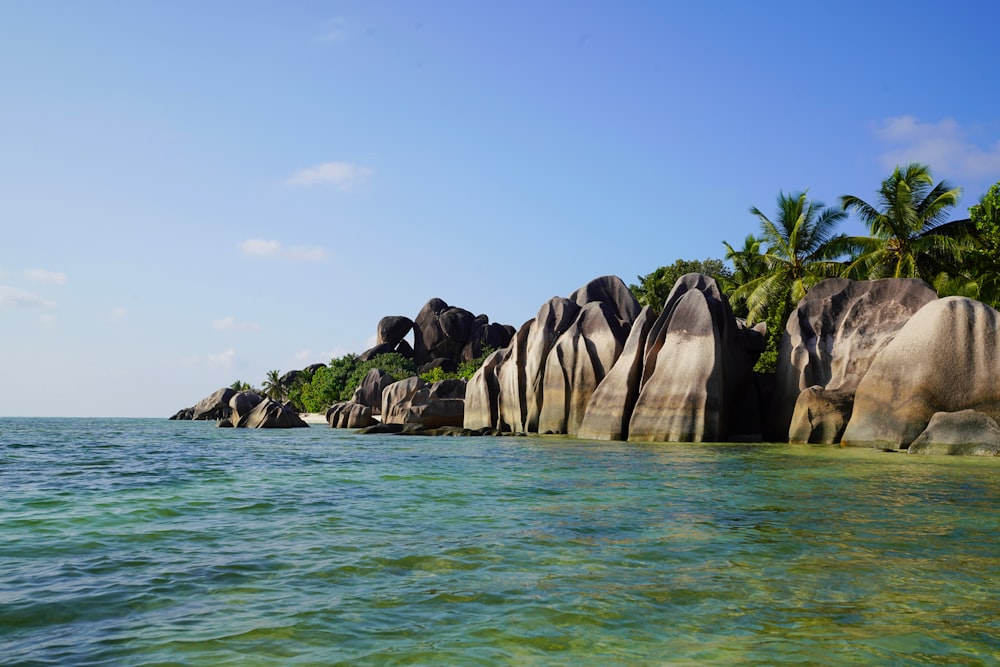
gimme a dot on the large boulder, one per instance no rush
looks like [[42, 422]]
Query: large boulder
[[392, 329], [440, 330], [348, 414], [482, 394], [946, 358], [833, 336], [580, 358], [396, 398], [369, 392], [697, 356], [271, 414], [966, 432], [820, 416], [610, 407], [242, 403], [613, 293], [214, 406], [430, 405]]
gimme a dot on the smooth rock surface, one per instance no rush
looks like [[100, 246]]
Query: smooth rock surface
[[835, 333], [966, 432], [946, 358]]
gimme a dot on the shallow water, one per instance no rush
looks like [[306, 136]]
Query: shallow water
[[152, 542]]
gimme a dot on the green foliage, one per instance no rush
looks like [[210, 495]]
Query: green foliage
[[799, 250], [654, 288], [904, 229], [983, 260], [465, 370], [393, 363], [274, 388], [337, 381], [240, 385]]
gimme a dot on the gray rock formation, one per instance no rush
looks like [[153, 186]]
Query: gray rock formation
[[579, 360], [270, 414], [834, 335], [369, 392], [820, 416], [966, 432], [396, 398], [697, 355], [482, 394], [215, 406], [946, 358], [241, 404], [392, 329], [349, 415], [610, 407], [430, 405]]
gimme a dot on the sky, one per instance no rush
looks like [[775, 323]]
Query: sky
[[193, 193]]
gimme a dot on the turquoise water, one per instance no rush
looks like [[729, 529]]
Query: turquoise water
[[151, 542]]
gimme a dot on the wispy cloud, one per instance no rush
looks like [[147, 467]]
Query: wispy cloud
[[224, 359], [14, 297], [335, 30], [945, 146], [342, 175], [118, 313], [232, 324], [45, 277], [275, 249]]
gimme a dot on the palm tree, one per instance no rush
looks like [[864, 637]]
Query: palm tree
[[799, 250], [274, 388], [905, 228], [748, 264]]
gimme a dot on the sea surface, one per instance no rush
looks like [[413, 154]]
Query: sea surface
[[154, 542]]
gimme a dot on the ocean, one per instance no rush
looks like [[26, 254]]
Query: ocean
[[156, 542]]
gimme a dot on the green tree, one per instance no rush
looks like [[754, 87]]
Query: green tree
[[274, 388], [654, 288], [903, 225], [983, 261], [240, 385], [748, 264], [799, 249]]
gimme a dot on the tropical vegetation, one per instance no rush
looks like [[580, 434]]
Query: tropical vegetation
[[911, 234]]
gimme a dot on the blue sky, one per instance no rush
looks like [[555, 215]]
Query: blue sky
[[197, 192]]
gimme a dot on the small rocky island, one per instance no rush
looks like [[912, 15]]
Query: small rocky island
[[884, 364]]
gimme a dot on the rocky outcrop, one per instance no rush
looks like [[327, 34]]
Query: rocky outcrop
[[213, 407], [392, 329], [833, 336], [610, 407], [579, 360], [946, 358], [543, 380], [696, 357], [966, 432], [441, 331], [414, 401], [241, 404], [482, 394], [349, 415], [369, 392], [820, 416], [271, 414]]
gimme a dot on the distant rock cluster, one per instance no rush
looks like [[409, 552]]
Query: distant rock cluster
[[884, 364]]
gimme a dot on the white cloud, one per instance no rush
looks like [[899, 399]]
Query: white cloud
[[13, 297], [334, 30], [303, 355], [261, 248], [232, 324], [45, 277], [342, 175], [118, 313], [944, 146], [224, 359]]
